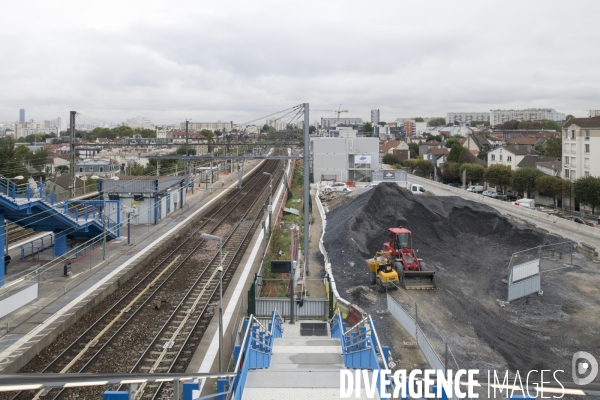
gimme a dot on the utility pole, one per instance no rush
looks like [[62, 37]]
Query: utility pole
[[306, 185], [187, 151], [72, 153], [104, 234]]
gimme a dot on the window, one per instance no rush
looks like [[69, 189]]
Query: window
[[566, 134], [586, 174], [566, 160], [573, 174], [587, 147], [101, 169], [587, 135], [572, 134], [493, 157], [566, 173], [586, 162], [509, 158], [500, 157], [91, 169]]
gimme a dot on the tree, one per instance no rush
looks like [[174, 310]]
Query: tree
[[475, 172], [60, 169], [39, 159], [368, 129], [123, 131], [552, 125], [587, 191], [414, 150], [523, 180], [437, 121], [146, 133], [419, 119], [389, 158], [181, 150], [553, 147], [456, 153], [424, 166], [551, 186], [411, 164], [448, 143], [450, 171], [499, 175], [568, 117], [381, 123], [311, 128]]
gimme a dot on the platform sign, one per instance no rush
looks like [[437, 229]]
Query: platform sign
[[134, 204], [281, 266]]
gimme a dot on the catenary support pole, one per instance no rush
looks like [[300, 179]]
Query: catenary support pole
[[306, 186], [292, 272], [72, 152]]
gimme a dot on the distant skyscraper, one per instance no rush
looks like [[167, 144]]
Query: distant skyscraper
[[22, 115], [374, 117]]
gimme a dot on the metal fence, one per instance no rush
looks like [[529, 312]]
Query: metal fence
[[526, 267], [308, 308], [18, 300]]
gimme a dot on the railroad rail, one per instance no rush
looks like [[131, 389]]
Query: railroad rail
[[159, 322]]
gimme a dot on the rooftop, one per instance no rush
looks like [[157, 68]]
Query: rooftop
[[533, 160], [583, 122]]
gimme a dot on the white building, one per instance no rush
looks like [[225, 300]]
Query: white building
[[139, 123], [31, 128], [510, 155], [420, 128], [374, 117], [530, 114], [276, 123], [581, 148], [211, 126], [594, 113], [344, 159], [467, 117], [331, 122]]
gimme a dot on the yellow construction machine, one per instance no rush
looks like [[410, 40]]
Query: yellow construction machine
[[382, 271]]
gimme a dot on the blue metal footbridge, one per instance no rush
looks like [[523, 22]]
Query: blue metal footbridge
[[32, 206]]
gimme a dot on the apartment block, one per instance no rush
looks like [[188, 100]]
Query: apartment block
[[467, 117], [529, 114], [581, 148]]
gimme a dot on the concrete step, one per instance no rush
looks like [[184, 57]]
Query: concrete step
[[308, 341]]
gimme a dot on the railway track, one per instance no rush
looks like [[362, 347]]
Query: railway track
[[159, 323]]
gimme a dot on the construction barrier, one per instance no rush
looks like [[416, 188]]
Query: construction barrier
[[338, 302]]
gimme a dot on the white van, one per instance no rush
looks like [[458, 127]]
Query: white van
[[475, 189], [417, 189]]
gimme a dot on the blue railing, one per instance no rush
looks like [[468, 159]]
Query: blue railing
[[254, 353]]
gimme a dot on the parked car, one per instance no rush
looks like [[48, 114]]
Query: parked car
[[493, 195], [372, 185], [451, 184], [485, 193], [475, 189], [337, 187], [582, 221], [527, 203], [500, 196]]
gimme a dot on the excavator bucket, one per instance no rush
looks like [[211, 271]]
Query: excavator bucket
[[411, 280]]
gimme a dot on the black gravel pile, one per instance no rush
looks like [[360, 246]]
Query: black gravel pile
[[468, 245]]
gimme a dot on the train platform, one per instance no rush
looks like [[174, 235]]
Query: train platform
[[61, 300]]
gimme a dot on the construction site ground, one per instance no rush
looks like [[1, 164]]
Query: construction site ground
[[469, 246]]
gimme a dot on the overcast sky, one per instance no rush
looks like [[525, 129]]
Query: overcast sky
[[240, 60]]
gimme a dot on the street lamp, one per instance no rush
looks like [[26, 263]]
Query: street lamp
[[270, 197], [206, 236]]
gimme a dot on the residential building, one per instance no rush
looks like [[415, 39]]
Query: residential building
[[332, 122], [410, 129], [552, 168], [529, 114], [276, 123], [106, 167], [344, 159], [22, 115], [476, 143], [581, 148], [437, 156], [509, 155], [420, 128], [374, 117], [594, 113], [30, 128], [430, 144], [211, 126], [139, 123], [467, 117], [399, 148], [533, 160]]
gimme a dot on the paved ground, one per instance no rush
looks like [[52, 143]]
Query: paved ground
[[315, 287]]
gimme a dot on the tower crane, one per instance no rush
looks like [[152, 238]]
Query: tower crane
[[338, 111]]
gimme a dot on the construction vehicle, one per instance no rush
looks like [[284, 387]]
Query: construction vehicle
[[410, 268], [382, 271]]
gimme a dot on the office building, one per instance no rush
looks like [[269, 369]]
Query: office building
[[22, 115]]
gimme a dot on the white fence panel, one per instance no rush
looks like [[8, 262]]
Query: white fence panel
[[524, 287], [18, 300], [525, 270], [310, 307]]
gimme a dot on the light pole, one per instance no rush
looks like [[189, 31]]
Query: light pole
[[270, 198], [206, 236]]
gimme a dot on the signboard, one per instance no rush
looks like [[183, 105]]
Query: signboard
[[361, 159], [389, 175], [134, 204], [281, 266]]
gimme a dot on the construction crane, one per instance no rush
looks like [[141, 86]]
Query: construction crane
[[338, 111]]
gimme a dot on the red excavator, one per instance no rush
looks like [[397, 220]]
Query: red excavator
[[411, 270]]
